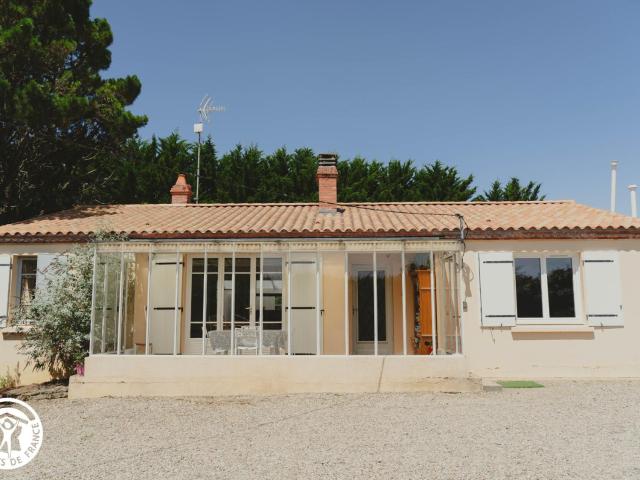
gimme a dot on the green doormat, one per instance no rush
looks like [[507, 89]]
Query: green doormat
[[519, 384]]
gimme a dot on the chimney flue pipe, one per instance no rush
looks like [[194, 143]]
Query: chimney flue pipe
[[634, 200], [614, 171]]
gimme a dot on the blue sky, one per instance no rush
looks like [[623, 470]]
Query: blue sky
[[546, 90]]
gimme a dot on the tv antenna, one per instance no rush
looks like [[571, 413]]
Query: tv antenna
[[206, 107]]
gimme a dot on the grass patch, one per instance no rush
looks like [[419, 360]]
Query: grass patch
[[519, 384]]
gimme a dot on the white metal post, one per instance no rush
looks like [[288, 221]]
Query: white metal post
[[404, 303], [318, 346], [105, 289], [120, 302], [289, 302], [93, 300], [261, 299], [375, 303], [204, 301], [458, 306], [346, 303], [233, 301], [148, 312], [175, 304], [116, 301], [433, 302]]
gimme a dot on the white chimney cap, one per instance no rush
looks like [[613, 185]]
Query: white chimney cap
[[614, 163], [633, 186]]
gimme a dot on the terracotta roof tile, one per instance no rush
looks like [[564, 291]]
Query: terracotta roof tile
[[557, 219]]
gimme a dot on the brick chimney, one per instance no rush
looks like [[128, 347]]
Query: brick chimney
[[181, 191], [327, 182]]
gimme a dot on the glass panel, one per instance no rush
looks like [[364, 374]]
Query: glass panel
[[28, 269], [197, 299], [272, 293], [197, 265], [420, 310], [197, 296], [528, 287], [243, 265], [446, 298], [560, 283], [366, 319], [107, 303], [98, 304], [29, 266], [133, 303], [212, 265], [212, 298], [242, 293]]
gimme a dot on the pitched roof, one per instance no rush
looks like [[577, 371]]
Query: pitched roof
[[484, 220]]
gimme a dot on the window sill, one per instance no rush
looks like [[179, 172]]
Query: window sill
[[552, 329]]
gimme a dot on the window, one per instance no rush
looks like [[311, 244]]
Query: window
[[271, 293], [197, 296], [241, 292], [245, 291], [545, 288], [27, 268]]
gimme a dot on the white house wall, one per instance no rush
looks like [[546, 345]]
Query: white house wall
[[12, 362], [544, 351]]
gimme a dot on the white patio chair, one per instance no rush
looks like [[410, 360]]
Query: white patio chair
[[246, 341], [270, 341], [220, 341]]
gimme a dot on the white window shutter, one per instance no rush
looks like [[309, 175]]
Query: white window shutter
[[5, 281], [497, 289], [42, 274], [602, 288]]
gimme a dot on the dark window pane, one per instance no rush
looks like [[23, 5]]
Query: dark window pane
[[197, 265], [365, 307], [270, 264], [212, 297], [212, 265], [271, 298], [242, 264], [196, 330], [528, 287], [382, 311], [29, 266], [197, 295], [242, 300], [560, 282]]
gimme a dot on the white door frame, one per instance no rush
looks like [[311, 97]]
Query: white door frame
[[367, 348]]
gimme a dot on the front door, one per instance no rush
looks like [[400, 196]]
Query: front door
[[364, 312]]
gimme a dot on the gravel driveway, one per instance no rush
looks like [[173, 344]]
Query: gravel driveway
[[569, 429]]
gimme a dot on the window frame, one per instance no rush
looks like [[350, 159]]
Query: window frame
[[546, 319], [253, 275], [19, 274]]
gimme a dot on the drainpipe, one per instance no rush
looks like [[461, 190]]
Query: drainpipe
[[634, 201], [614, 168]]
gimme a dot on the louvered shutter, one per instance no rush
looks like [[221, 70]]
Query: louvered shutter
[[602, 288], [5, 281], [497, 289]]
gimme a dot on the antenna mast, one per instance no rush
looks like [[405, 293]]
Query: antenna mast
[[206, 107]]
